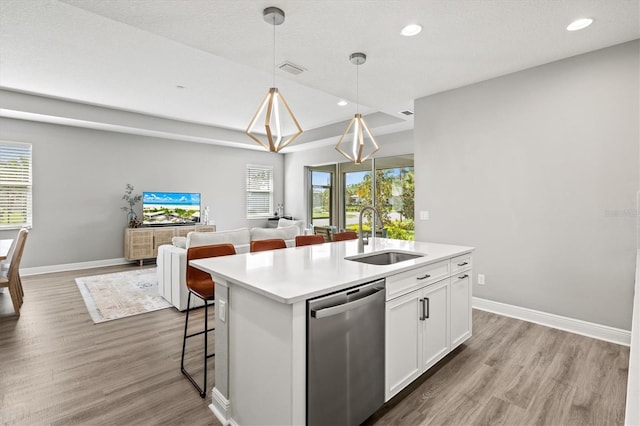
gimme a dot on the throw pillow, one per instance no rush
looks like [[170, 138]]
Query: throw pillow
[[284, 223], [180, 242]]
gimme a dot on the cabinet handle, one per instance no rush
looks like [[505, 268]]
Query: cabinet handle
[[422, 316], [427, 299], [424, 277], [463, 263], [463, 277]]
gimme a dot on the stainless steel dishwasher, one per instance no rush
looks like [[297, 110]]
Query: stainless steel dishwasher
[[345, 355]]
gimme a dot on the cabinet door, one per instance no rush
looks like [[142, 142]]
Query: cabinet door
[[161, 237], [138, 244], [434, 307], [460, 308], [403, 330]]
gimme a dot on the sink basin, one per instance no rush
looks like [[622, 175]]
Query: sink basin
[[384, 257]]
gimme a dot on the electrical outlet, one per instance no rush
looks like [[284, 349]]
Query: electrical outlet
[[222, 310], [424, 215], [480, 279]]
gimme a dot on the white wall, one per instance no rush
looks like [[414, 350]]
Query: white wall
[[539, 170], [295, 191], [79, 176]]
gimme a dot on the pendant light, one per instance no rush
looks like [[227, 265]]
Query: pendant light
[[357, 142], [274, 112]]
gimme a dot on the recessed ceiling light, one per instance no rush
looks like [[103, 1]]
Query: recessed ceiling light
[[411, 30], [342, 103], [579, 24]]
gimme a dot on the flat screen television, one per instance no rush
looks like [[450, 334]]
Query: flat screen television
[[170, 208]]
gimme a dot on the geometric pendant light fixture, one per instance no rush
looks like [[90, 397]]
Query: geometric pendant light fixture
[[274, 126], [357, 142]]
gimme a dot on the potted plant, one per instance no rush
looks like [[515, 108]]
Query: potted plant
[[131, 200]]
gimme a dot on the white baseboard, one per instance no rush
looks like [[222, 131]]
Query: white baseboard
[[220, 407], [72, 266], [589, 329]]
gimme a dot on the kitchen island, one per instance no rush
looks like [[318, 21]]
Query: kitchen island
[[261, 298]]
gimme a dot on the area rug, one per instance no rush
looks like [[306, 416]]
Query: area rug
[[121, 294]]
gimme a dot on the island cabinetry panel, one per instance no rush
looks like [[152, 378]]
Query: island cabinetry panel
[[408, 281], [461, 263], [416, 334], [460, 308], [403, 358], [435, 319]]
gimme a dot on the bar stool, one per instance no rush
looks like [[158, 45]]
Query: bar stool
[[307, 240], [201, 285], [345, 235], [271, 244]]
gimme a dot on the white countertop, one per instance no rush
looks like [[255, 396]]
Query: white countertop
[[299, 273]]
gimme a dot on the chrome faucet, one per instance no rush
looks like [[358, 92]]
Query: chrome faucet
[[376, 213]]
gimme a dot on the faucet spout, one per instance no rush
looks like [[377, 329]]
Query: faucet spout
[[376, 214]]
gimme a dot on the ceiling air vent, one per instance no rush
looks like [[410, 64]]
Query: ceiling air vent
[[291, 68], [406, 112]]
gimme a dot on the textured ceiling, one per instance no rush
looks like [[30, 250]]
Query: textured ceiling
[[131, 55]]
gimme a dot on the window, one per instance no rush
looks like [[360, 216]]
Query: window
[[345, 188], [15, 185], [321, 197], [259, 191]]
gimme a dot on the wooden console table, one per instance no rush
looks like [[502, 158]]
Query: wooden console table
[[143, 243]]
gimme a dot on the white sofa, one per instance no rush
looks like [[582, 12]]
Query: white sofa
[[172, 258]]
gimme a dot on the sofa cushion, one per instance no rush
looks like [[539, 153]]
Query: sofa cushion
[[286, 233], [237, 237], [283, 223]]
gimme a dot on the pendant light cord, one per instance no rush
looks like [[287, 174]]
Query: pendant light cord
[[357, 88], [274, 51]]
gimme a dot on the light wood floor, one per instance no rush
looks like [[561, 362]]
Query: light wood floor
[[58, 368]]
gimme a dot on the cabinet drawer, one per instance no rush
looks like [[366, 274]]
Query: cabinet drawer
[[405, 282], [461, 263]]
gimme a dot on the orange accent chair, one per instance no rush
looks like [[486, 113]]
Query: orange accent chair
[[264, 245], [345, 235], [308, 240], [201, 285]]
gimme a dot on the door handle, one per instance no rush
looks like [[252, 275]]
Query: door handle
[[422, 317], [463, 277], [463, 263], [339, 309], [427, 299], [424, 277]]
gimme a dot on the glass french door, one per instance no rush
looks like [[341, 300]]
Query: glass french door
[[386, 183]]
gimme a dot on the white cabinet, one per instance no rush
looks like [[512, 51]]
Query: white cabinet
[[435, 316], [460, 308], [403, 358], [416, 334], [428, 314], [461, 289]]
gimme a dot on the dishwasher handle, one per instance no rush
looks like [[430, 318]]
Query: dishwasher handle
[[339, 309]]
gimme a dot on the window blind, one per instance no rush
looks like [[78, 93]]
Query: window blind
[[15, 185], [259, 191]]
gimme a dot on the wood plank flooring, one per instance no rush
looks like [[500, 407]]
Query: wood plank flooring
[[58, 368]]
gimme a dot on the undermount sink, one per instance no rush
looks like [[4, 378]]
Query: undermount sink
[[384, 257]]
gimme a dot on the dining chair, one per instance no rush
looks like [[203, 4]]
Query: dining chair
[[201, 285], [345, 235], [271, 244], [4, 264], [325, 231], [12, 279], [307, 240]]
